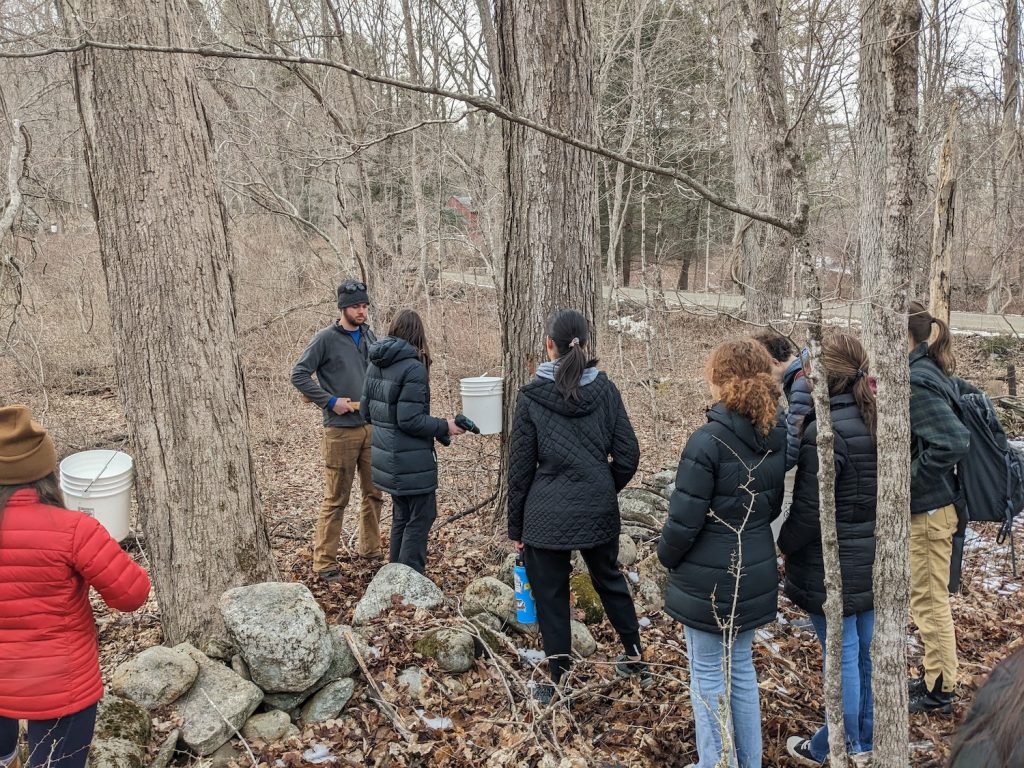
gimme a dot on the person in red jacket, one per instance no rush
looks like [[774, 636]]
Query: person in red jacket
[[49, 557]]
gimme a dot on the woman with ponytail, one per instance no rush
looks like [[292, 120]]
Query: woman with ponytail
[[572, 450], [718, 547], [938, 440], [852, 405]]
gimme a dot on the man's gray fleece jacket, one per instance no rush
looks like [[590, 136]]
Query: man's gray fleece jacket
[[340, 368]]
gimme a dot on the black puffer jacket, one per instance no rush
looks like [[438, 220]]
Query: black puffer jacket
[[562, 489], [856, 493], [730, 478], [396, 400]]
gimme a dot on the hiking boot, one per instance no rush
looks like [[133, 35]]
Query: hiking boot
[[799, 749], [331, 575], [916, 686], [625, 667], [937, 701]]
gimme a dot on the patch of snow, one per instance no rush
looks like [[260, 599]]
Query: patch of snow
[[436, 723], [633, 576], [531, 656], [644, 621], [638, 329], [317, 754]]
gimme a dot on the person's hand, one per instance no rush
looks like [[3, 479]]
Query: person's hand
[[518, 546], [454, 429], [342, 406]]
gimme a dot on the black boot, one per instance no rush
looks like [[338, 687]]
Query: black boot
[[936, 700]]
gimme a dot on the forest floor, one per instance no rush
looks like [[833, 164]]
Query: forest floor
[[490, 722]]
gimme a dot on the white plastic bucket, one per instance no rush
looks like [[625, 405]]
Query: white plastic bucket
[[99, 483], [481, 402]]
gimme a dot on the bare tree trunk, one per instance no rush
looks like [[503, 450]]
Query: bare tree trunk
[[550, 232], [1004, 227], [939, 285], [745, 239], [167, 263], [769, 282], [871, 143], [887, 346], [416, 73]]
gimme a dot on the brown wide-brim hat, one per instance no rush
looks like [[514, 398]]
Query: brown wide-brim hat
[[26, 451]]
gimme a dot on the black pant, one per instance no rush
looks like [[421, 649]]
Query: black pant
[[62, 742], [410, 528], [549, 570]]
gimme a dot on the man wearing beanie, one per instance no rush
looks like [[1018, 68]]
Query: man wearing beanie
[[337, 356]]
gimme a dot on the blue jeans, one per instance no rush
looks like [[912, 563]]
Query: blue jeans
[[858, 706], [706, 654]]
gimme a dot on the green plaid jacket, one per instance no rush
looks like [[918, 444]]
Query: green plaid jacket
[[938, 439]]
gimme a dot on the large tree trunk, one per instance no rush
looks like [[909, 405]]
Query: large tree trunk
[[939, 285], [1004, 227], [550, 230], [745, 239], [764, 305], [167, 264], [887, 346]]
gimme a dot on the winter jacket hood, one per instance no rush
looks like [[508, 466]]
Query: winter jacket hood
[[800, 403], [562, 487], [49, 557], [391, 350]]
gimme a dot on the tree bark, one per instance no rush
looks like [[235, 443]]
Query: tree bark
[[764, 303], [1005, 226], [164, 247], [551, 216], [943, 224], [887, 346]]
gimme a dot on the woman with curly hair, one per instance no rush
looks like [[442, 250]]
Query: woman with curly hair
[[717, 545]]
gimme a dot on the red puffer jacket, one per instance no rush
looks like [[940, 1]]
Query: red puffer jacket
[[49, 557]]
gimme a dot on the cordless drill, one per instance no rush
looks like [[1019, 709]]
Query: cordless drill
[[463, 422]]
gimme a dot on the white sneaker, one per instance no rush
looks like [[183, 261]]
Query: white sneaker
[[799, 749]]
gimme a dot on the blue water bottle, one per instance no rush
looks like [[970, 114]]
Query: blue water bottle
[[526, 608]]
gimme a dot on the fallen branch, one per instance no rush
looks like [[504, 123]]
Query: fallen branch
[[383, 704], [468, 512]]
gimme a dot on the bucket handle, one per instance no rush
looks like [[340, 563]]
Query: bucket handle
[[100, 473]]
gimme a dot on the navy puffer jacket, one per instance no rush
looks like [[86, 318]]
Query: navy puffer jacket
[[856, 494], [396, 401], [562, 485], [729, 488], [800, 405]]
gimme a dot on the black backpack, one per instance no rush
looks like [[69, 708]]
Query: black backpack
[[991, 475]]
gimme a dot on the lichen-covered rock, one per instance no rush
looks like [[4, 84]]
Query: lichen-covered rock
[[240, 667], [664, 483], [412, 678], [489, 595], [396, 579], [453, 649], [651, 568], [267, 727], [583, 642], [121, 718], [165, 752], [218, 695], [639, 505], [155, 677], [627, 550], [281, 632], [587, 599], [227, 755], [327, 703], [289, 702], [489, 628], [116, 753]]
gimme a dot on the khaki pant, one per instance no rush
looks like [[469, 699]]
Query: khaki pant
[[931, 547], [346, 450]]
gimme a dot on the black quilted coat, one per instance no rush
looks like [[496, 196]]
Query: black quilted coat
[[856, 492], [562, 488], [729, 488], [396, 400]]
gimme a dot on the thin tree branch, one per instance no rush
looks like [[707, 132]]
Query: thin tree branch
[[795, 225]]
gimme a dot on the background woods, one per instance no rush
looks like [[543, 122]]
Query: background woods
[[172, 228]]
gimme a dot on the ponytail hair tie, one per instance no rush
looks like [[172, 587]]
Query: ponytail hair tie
[[575, 342], [860, 374]]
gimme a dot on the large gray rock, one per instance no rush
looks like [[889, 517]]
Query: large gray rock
[[228, 755], [583, 642], [217, 695], [396, 579], [267, 727], [664, 482], [281, 632], [155, 677], [506, 569], [453, 649], [289, 702], [638, 505], [343, 664], [327, 703], [627, 550], [412, 678], [489, 595], [120, 735]]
